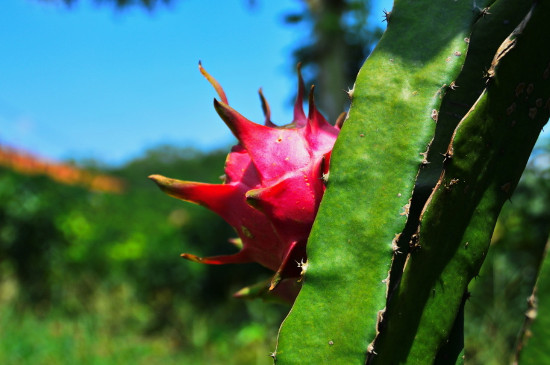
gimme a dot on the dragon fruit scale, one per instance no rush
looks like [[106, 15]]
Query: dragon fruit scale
[[274, 181]]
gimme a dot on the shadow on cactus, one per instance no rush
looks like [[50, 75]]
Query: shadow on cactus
[[273, 183]]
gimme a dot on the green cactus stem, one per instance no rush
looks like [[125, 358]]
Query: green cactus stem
[[374, 165], [488, 32], [485, 159]]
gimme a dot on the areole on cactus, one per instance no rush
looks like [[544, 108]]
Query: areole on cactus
[[273, 183]]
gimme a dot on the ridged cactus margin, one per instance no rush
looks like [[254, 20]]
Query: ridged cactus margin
[[341, 308], [491, 26], [485, 159], [273, 183]]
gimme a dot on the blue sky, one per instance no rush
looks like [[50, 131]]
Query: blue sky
[[93, 82]]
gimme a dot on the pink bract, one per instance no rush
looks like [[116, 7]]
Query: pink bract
[[274, 181]]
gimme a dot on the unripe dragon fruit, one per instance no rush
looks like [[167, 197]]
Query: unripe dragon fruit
[[273, 183]]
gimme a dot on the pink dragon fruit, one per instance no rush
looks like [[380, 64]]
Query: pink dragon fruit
[[273, 183]]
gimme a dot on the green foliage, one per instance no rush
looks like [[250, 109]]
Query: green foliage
[[110, 333], [30, 241], [102, 272], [536, 337]]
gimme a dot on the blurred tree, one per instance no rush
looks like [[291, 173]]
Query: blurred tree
[[31, 243], [338, 40], [148, 4], [62, 241]]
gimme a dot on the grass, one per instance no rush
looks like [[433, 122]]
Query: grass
[[113, 333]]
